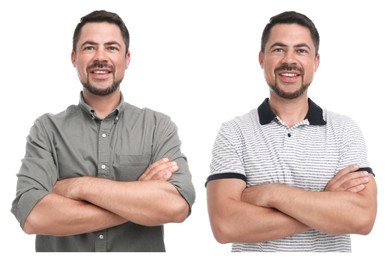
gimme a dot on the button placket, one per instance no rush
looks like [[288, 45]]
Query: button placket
[[104, 148]]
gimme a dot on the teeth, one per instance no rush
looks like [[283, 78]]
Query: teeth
[[99, 72], [289, 74]]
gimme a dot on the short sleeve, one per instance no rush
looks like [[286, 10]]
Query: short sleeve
[[353, 147], [227, 158]]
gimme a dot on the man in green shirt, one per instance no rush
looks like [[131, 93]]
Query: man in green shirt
[[103, 175]]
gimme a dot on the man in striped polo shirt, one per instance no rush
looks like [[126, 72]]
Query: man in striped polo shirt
[[290, 176]]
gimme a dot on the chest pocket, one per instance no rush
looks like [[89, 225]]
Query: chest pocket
[[130, 167]]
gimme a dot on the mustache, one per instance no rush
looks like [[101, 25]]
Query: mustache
[[290, 67], [100, 65]]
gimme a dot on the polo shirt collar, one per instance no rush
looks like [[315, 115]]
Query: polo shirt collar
[[91, 112], [314, 115]]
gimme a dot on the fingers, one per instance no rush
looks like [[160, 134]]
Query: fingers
[[357, 188], [349, 179], [345, 171], [160, 170]]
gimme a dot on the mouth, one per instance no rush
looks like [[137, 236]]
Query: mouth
[[100, 71], [289, 77], [289, 74]]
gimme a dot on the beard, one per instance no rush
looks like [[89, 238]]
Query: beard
[[101, 92], [97, 91], [289, 95]]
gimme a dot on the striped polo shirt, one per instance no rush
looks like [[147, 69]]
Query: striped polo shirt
[[259, 147]]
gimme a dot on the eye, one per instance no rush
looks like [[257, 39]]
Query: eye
[[278, 50], [302, 51], [88, 48], [113, 48]]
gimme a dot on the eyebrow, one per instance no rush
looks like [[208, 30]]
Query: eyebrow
[[280, 44], [95, 43]]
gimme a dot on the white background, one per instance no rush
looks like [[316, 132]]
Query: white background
[[197, 62]]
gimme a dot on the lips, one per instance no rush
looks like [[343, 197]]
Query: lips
[[100, 70], [289, 74], [289, 77]]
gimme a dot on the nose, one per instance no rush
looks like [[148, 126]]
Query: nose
[[100, 54], [289, 57]]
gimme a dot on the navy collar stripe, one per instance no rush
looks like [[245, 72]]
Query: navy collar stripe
[[314, 115]]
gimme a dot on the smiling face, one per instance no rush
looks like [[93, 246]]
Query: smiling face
[[100, 58], [289, 60]]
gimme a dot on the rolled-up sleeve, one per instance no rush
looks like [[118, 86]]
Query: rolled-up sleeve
[[37, 173], [167, 144]]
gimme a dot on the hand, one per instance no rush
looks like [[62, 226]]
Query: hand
[[162, 169], [257, 194], [67, 187], [348, 179]]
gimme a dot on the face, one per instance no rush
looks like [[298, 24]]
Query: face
[[289, 60], [100, 58]]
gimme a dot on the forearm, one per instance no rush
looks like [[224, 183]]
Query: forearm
[[235, 220], [329, 212], [147, 203], [59, 216], [255, 225]]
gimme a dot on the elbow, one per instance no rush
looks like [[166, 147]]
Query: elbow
[[29, 227], [180, 212], [222, 233], [221, 237], [365, 224]]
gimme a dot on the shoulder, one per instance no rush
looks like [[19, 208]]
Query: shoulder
[[338, 120], [244, 121], [342, 126], [147, 116], [238, 128], [146, 112], [49, 118]]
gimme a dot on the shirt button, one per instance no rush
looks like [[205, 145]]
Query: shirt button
[[104, 135], [101, 236], [103, 166]]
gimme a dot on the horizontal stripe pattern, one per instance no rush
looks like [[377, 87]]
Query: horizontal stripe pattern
[[305, 156]]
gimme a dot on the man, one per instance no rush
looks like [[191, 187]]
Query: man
[[290, 176], [103, 175]]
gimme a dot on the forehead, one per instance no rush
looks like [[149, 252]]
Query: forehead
[[290, 34], [100, 32]]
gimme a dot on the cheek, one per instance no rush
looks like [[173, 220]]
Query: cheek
[[269, 71], [309, 72], [81, 71], [120, 67], [270, 65]]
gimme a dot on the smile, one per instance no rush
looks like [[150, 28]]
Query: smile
[[100, 71], [288, 74]]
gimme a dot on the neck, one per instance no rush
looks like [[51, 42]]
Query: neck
[[102, 105], [290, 111]]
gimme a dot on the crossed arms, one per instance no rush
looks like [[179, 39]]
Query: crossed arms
[[85, 204], [259, 213]]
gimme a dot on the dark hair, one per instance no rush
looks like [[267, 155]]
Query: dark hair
[[289, 18], [102, 16]]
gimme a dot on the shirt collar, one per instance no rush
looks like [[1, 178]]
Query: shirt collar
[[314, 115], [91, 112]]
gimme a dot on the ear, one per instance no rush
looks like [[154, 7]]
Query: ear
[[73, 58], [317, 62], [260, 58], [128, 58]]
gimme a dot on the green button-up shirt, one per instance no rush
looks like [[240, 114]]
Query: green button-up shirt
[[120, 147]]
